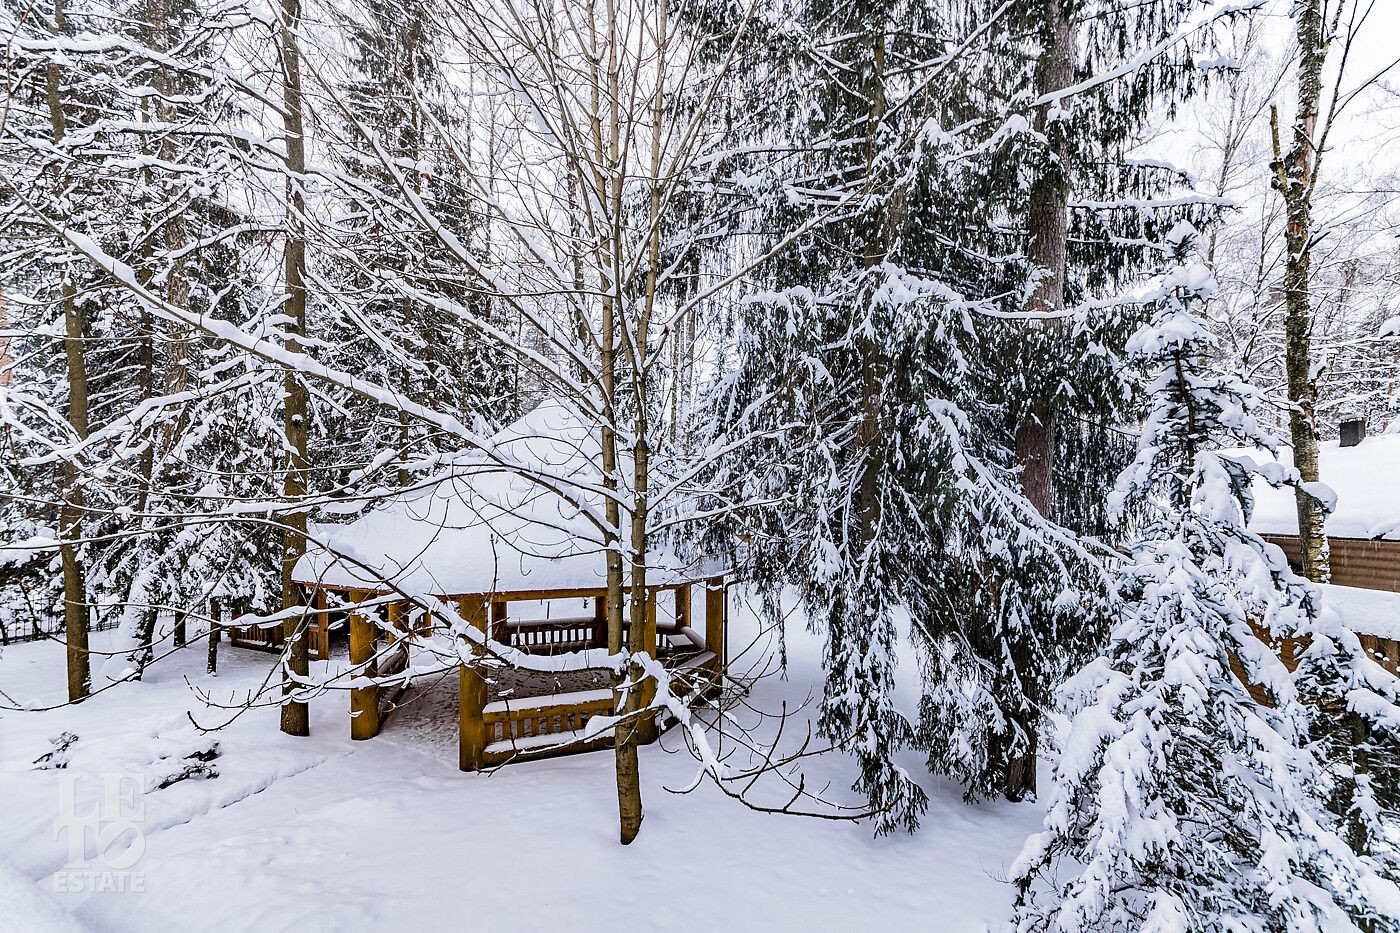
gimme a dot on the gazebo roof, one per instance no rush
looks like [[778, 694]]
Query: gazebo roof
[[1366, 480], [485, 527]]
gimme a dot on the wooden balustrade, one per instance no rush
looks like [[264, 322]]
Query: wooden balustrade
[[270, 638], [555, 636], [550, 724], [509, 730]]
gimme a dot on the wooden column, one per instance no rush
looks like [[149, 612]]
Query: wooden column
[[323, 625], [683, 604], [716, 618], [600, 622], [396, 621], [364, 701], [471, 728], [500, 630], [646, 728]]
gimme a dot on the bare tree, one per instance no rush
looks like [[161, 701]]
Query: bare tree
[[1324, 28]]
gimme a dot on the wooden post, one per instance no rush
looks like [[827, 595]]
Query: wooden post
[[716, 618], [683, 602], [600, 622], [322, 626], [396, 621], [471, 734], [364, 701], [500, 631], [646, 728]]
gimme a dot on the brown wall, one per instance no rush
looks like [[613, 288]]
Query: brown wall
[[1372, 565]]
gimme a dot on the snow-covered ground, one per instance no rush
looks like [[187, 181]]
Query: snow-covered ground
[[325, 834]]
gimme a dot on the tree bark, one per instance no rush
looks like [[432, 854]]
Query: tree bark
[[881, 236], [1295, 174], [1047, 228], [215, 622], [70, 515], [295, 719]]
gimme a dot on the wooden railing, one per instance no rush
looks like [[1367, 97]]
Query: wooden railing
[[270, 638], [519, 728], [556, 636]]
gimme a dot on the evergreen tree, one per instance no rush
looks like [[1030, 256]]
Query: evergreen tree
[[1181, 803], [860, 362], [1058, 224], [401, 106]]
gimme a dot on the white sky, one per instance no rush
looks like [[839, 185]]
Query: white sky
[[1370, 126]]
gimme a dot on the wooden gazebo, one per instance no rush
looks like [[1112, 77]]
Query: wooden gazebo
[[521, 561]]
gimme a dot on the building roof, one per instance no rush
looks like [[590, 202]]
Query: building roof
[[1366, 481], [483, 527]]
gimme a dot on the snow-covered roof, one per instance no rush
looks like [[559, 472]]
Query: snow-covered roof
[[486, 527], [1366, 480]]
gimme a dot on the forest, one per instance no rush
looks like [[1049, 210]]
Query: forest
[[968, 426]]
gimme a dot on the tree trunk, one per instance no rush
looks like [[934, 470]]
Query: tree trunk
[[295, 403], [628, 775], [1294, 178], [640, 726], [872, 371], [167, 373], [1047, 228], [70, 515], [215, 620]]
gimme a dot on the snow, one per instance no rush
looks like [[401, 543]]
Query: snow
[[490, 525], [1364, 479], [1366, 612], [324, 833], [25, 907]]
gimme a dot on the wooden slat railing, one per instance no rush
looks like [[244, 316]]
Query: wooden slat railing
[[537, 724], [556, 636]]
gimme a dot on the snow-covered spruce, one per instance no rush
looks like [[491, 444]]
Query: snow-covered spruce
[[1180, 803]]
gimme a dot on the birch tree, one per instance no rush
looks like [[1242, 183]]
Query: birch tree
[[1325, 33]]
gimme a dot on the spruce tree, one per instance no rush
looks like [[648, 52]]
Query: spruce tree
[[859, 360], [1181, 803], [1060, 231]]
